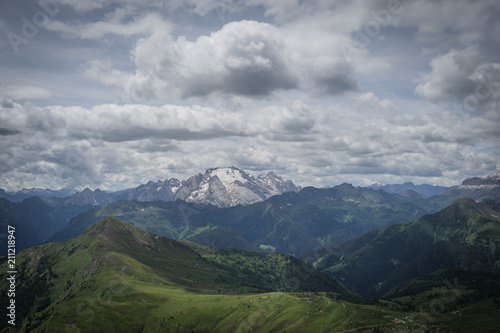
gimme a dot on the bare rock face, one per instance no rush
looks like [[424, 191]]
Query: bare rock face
[[493, 179], [89, 197], [159, 191]]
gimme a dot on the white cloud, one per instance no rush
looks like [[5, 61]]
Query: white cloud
[[116, 25]]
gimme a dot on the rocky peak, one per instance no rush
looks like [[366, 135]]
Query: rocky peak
[[493, 179], [89, 197]]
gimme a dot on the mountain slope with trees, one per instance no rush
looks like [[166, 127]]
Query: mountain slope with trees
[[465, 235]]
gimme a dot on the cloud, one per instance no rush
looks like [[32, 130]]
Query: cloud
[[104, 146], [79, 146], [245, 58], [119, 23], [9, 92], [450, 76], [187, 85], [462, 21], [464, 76], [6, 131], [331, 75], [83, 6]]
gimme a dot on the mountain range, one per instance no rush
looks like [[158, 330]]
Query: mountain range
[[34, 220], [36, 192], [344, 258], [479, 189], [409, 189], [226, 187], [291, 223]]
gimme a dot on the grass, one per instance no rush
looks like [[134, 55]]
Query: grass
[[166, 308]]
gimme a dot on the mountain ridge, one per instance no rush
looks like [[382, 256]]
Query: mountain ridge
[[114, 270], [464, 235], [477, 188]]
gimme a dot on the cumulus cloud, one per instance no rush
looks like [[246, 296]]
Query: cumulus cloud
[[246, 58]]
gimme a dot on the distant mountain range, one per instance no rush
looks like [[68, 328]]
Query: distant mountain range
[[263, 212], [409, 189], [227, 187], [422, 263], [36, 192], [221, 187]]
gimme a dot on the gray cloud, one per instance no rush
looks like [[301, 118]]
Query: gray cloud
[[451, 75], [6, 131]]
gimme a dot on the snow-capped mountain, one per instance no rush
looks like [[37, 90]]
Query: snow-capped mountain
[[225, 187], [221, 187]]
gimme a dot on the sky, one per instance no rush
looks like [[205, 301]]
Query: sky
[[111, 94]]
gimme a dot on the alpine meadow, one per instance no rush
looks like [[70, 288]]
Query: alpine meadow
[[250, 166]]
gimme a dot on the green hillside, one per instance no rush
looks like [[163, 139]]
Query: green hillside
[[117, 278], [465, 235]]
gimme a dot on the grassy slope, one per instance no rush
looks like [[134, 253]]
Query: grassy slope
[[116, 277]]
